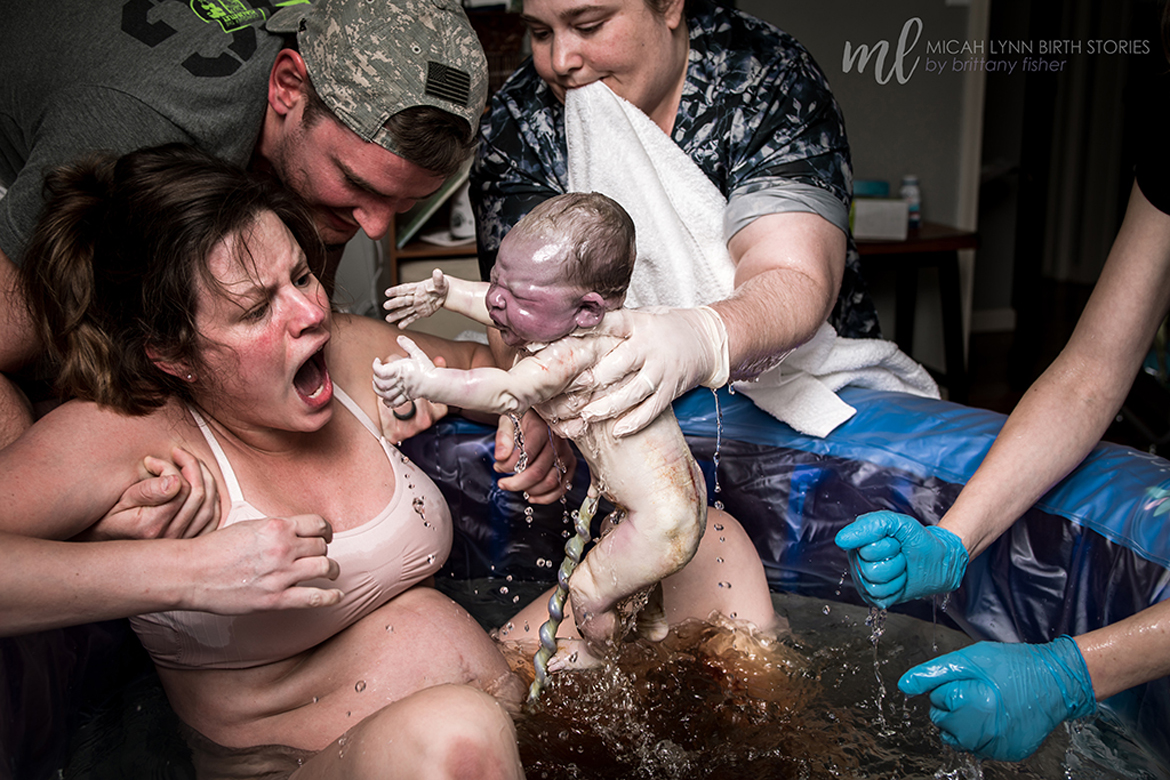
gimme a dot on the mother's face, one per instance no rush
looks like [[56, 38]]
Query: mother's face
[[620, 42], [264, 333]]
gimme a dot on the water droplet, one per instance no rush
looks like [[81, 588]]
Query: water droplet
[[718, 526], [315, 700], [725, 584], [431, 558], [504, 590], [515, 599], [508, 578], [360, 686], [826, 609], [722, 539], [718, 560]]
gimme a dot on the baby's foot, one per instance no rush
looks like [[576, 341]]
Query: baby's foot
[[573, 654]]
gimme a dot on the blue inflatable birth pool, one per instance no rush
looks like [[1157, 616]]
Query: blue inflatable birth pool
[[1094, 550]]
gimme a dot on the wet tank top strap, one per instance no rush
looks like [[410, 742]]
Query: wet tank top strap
[[225, 467], [357, 411]]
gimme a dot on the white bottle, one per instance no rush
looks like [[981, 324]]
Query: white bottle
[[910, 193]]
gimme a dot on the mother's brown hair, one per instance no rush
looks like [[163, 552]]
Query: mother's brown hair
[[113, 269]]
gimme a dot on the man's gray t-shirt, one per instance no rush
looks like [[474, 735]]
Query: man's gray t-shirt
[[117, 75]]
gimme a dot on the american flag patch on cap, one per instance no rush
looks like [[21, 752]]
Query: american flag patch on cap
[[448, 83]]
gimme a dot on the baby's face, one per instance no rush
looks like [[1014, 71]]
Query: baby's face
[[527, 299]]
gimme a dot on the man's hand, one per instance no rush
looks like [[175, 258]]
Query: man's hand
[[551, 461], [412, 301], [262, 565], [664, 353], [895, 558], [177, 500]]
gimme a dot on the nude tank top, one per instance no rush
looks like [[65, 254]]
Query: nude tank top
[[405, 543]]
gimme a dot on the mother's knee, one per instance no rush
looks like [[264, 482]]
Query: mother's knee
[[448, 731]]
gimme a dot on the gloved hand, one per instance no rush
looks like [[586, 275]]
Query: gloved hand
[[1000, 700], [894, 558], [665, 352], [414, 300]]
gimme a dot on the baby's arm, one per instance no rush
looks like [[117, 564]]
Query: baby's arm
[[529, 382], [414, 300]]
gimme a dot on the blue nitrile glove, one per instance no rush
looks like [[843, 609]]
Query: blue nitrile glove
[[895, 558], [1000, 700]]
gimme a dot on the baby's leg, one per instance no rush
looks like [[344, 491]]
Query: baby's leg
[[725, 576], [656, 539]]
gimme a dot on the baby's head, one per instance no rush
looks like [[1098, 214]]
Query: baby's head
[[562, 267]]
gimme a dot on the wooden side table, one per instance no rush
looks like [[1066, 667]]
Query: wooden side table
[[930, 246]]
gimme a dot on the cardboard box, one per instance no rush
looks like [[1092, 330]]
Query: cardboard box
[[880, 218]]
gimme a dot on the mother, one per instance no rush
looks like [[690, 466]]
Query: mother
[[750, 107], [179, 296]]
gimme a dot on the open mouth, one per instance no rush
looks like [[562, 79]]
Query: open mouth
[[312, 381]]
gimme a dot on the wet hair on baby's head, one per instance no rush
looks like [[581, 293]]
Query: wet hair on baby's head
[[602, 239]]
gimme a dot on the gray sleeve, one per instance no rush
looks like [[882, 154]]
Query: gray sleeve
[[106, 121], [776, 195]]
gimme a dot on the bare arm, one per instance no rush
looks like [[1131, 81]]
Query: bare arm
[[254, 565], [788, 271], [1129, 652], [532, 380], [1065, 413]]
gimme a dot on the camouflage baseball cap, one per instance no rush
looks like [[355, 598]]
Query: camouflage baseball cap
[[370, 59]]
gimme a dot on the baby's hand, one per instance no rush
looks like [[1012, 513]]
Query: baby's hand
[[415, 300], [400, 381]]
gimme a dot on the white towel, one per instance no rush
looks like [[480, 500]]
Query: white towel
[[615, 149]]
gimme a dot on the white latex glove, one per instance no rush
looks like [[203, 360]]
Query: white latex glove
[[665, 353], [414, 300]]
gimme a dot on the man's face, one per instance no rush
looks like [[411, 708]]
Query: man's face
[[347, 182]]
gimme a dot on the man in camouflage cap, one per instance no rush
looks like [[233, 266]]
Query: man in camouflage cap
[[361, 106], [408, 76]]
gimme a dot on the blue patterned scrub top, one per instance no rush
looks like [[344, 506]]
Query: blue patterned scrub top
[[756, 116]]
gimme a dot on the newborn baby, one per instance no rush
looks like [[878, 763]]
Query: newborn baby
[[555, 295]]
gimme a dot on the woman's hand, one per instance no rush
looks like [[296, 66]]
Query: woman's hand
[[551, 461], [262, 564], [663, 354], [178, 500]]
